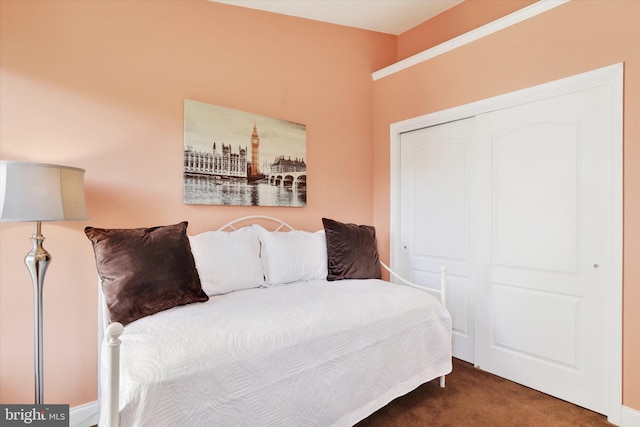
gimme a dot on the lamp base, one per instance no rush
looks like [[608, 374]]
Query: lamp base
[[37, 261]]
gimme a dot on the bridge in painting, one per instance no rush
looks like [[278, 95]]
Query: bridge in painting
[[288, 179]]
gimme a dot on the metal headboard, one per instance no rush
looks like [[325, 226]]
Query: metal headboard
[[277, 223]]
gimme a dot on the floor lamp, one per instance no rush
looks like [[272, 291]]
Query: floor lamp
[[37, 192]]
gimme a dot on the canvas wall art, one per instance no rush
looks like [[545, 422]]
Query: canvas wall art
[[238, 158]]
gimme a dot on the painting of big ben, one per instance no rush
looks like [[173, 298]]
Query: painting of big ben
[[238, 158]]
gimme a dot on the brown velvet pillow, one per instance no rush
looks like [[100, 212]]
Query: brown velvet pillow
[[145, 270], [352, 251]]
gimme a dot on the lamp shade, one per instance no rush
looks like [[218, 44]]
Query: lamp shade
[[41, 192]]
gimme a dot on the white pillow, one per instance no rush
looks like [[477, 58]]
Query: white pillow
[[292, 256], [227, 261]]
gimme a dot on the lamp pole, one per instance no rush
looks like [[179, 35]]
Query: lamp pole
[[37, 261]]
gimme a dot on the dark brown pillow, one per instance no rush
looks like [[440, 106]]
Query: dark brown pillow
[[352, 251], [145, 270]]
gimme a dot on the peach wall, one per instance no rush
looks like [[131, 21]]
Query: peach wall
[[573, 38], [101, 85], [454, 22]]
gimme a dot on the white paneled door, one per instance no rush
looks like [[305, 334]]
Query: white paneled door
[[435, 216], [544, 320], [517, 203]]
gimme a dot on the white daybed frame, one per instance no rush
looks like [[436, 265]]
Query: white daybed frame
[[113, 331]]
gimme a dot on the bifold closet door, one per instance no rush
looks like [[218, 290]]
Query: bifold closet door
[[436, 216], [542, 313]]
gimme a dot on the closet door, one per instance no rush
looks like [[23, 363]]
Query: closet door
[[523, 204], [436, 218], [542, 310]]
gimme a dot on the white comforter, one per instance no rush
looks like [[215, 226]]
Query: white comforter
[[315, 353]]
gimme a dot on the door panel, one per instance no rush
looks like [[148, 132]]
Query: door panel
[[435, 218], [534, 184], [550, 337], [544, 321]]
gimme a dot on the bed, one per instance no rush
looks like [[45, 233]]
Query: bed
[[305, 352]]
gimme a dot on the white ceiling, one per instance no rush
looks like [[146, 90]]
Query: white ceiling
[[386, 16]]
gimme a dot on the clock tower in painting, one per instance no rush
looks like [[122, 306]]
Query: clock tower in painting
[[255, 152]]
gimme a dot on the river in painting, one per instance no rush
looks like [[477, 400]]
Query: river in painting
[[240, 192]]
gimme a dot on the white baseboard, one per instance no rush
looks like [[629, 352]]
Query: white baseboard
[[630, 417], [84, 415]]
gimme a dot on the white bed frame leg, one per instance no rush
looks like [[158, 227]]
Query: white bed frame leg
[[113, 332], [443, 299]]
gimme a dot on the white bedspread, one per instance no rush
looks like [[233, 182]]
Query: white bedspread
[[308, 354]]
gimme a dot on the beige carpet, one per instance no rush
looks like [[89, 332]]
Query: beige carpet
[[477, 398]]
